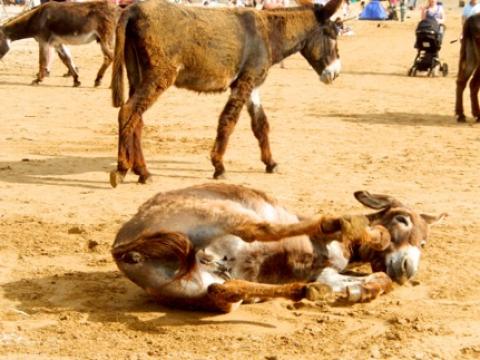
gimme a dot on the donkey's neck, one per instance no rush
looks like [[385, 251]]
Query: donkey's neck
[[20, 27], [288, 30]]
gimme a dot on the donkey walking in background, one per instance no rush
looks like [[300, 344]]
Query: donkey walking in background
[[208, 51], [469, 67], [215, 246], [55, 24]]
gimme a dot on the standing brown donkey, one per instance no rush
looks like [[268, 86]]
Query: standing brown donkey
[[211, 50], [55, 24]]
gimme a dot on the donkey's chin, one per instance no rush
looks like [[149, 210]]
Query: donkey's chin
[[327, 77], [331, 72]]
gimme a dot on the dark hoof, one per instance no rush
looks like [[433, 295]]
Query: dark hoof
[[116, 178], [69, 73], [76, 83], [319, 292], [219, 176], [36, 82], [98, 82], [145, 179], [219, 173], [271, 169], [461, 119], [47, 74]]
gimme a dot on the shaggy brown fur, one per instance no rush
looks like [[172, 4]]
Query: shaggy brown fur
[[469, 65], [210, 50], [55, 24], [195, 248]]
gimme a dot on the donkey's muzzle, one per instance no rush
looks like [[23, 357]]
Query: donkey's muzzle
[[331, 72], [403, 265]]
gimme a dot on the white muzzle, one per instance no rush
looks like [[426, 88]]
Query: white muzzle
[[331, 72]]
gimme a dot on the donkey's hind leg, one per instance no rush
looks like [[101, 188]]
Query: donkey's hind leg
[[260, 128], [228, 119], [66, 57], [467, 65], [43, 53], [233, 291], [130, 124]]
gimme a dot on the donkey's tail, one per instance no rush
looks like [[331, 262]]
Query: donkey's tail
[[119, 58], [171, 248]]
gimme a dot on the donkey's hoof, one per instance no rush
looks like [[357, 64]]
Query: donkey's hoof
[[116, 178], [461, 118], [76, 83], [219, 174], [98, 82], [145, 179], [69, 73], [354, 293], [319, 292], [271, 169], [36, 82]]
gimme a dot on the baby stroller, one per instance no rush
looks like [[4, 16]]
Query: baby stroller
[[428, 44]]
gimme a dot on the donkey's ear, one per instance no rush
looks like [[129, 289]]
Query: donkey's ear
[[432, 219], [375, 201], [325, 12]]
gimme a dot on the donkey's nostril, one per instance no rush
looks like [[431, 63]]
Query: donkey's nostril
[[402, 219], [407, 267], [132, 257]]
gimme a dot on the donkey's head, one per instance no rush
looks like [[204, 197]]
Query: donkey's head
[[320, 49], [399, 256], [4, 43]]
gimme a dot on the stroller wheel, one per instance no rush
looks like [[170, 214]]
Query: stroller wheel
[[445, 69]]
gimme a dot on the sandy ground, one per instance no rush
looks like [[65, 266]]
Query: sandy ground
[[61, 296]]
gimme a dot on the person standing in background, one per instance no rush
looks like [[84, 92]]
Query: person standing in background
[[471, 8]]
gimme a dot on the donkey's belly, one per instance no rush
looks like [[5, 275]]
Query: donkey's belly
[[74, 39], [203, 81]]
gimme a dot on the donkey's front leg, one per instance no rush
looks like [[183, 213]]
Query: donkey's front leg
[[249, 230], [356, 288], [474, 87], [107, 60], [228, 118], [260, 128], [43, 54]]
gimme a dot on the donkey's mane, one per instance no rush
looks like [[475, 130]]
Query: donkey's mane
[[20, 17], [288, 9]]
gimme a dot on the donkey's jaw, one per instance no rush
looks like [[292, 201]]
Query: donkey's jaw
[[331, 72]]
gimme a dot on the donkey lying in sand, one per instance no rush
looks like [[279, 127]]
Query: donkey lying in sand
[[208, 51], [55, 24], [214, 246]]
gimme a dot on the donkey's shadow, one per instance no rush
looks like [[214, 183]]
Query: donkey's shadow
[[52, 170], [107, 297]]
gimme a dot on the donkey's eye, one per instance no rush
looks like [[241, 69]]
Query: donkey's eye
[[423, 243]]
